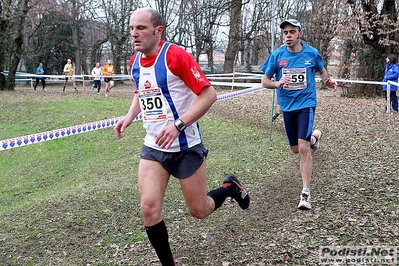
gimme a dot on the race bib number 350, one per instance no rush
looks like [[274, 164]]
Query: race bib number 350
[[152, 104], [298, 78]]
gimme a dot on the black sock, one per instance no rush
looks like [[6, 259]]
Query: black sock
[[158, 236], [220, 194]]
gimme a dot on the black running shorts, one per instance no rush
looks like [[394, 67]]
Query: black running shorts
[[179, 164]]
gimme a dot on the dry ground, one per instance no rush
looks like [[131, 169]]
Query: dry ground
[[355, 190], [355, 182]]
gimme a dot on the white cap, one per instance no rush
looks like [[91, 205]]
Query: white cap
[[293, 22]]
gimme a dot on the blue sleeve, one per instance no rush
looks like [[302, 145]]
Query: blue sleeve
[[270, 67]]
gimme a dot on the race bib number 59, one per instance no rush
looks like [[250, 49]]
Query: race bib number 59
[[298, 78]]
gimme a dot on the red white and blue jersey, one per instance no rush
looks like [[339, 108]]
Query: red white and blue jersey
[[166, 85]]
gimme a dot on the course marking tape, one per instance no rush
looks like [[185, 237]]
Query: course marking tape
[[56, 134], [92, 126], [88, 127]]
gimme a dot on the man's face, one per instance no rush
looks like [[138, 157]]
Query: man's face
[[292, 35], [144, 35]]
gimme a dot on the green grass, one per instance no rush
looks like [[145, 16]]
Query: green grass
[[74, 200], [27, 114]]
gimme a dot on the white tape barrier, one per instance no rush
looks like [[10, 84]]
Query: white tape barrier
[[88, 127], [88, 78], [61, 78], [388, 84]]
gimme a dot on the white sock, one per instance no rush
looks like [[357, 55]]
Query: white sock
[[306, 191]]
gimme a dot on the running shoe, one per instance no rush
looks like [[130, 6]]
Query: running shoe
[[240, 195], [317, 135], [305, 202]]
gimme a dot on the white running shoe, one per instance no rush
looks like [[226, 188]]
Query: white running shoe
[[305, 202], [317, 136]]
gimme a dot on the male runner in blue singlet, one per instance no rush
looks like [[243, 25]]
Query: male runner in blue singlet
[[294, 66]]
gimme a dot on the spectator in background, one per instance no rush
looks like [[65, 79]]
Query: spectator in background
[[39, 77], [69, 71], [392, 74], [96, 74], [108, 71]]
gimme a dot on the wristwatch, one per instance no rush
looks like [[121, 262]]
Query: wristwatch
[[180, 125]]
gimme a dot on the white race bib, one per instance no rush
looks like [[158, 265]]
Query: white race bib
[[152, 104], [298, 78]]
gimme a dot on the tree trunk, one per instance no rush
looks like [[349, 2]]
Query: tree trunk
[[209, 52], [17, 49], [344, 65], [234, 36], [95, 52], [15, 59], [76, 48]]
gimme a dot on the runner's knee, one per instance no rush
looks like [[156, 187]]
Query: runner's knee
[[197, 212], [149, 209]]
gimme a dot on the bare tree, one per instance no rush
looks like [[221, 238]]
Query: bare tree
[[321, 28], [234, 35], [13, 15], [379, 29], [364, 30], [74, 14], [255, 32], [117, 15], [3, 28], [206, 18]]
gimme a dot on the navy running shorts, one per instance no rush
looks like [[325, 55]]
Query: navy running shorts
[[298, 125], [179, 164]]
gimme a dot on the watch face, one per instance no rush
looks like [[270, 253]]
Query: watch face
[[180, 125]]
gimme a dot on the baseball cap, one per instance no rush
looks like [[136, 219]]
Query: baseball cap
[[293, 22]]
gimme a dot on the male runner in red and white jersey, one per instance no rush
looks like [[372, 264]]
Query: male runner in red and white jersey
[[172, 93]]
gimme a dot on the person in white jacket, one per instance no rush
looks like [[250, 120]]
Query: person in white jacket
[[96, 75]]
